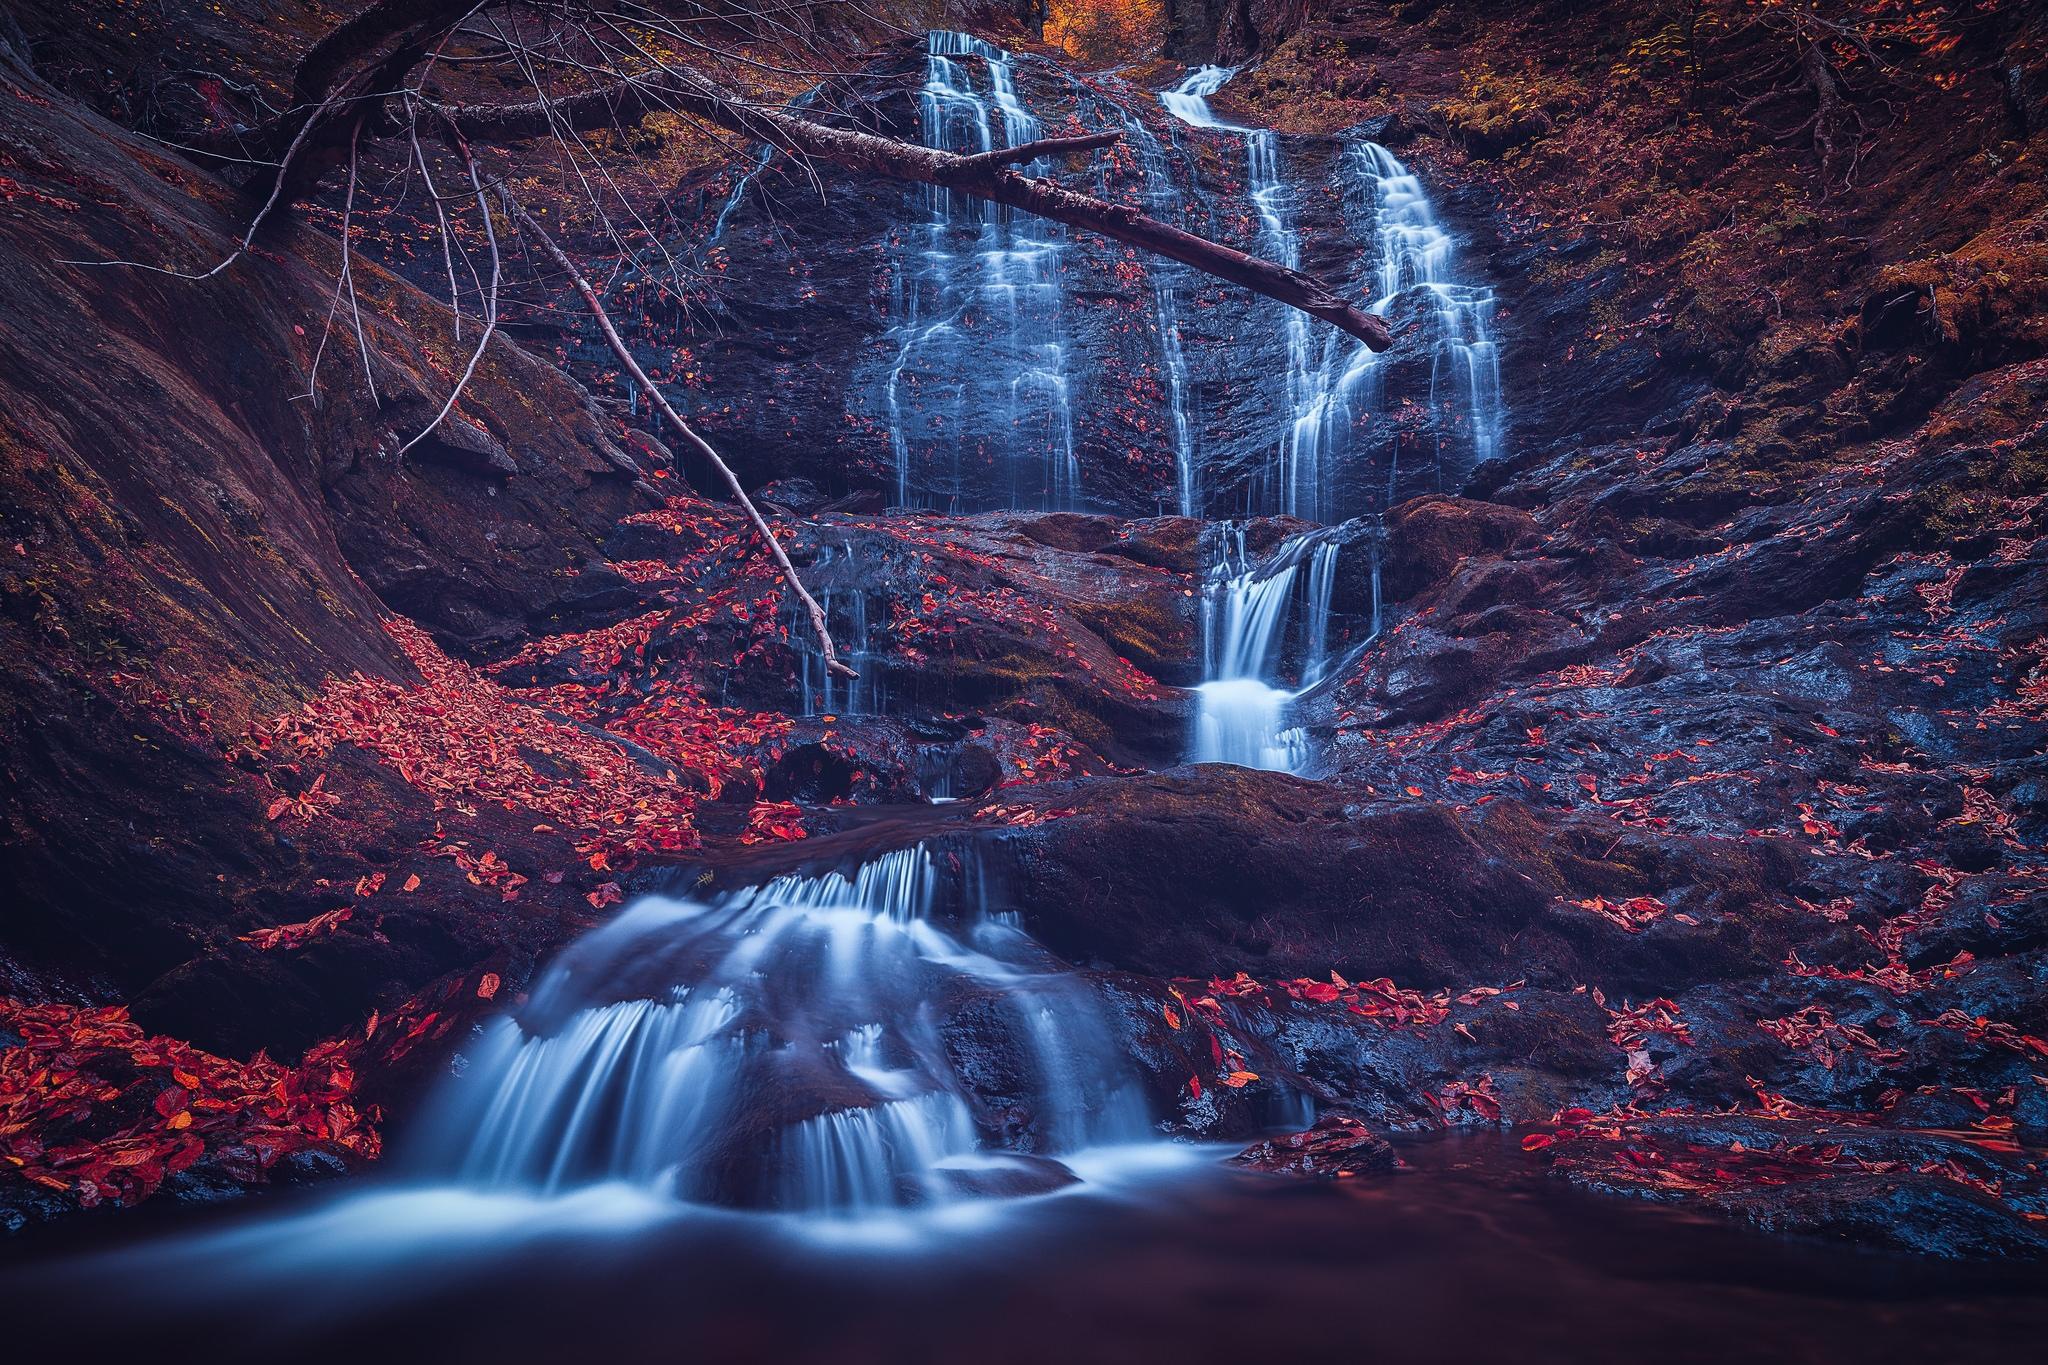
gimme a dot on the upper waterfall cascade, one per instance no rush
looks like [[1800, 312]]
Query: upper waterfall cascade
[[981, 364], [984, 383]]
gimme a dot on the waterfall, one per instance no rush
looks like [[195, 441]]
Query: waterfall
[[1298, 477], [1322, 585], [1335, 384], [1163, 200], [819, 693], [980, 356], [788, 1047], [1243, 702], [1240, 711], [1417, 259]]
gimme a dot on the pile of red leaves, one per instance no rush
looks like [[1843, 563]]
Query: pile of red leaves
[[91, 1105], [467, 741], [1815, 1031], [1391, 1005], [1634, 914], [290, 937]]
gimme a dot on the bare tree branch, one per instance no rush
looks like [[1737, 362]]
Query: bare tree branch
[[490, 303], [527, 224], [1025, 152], [691, 93]]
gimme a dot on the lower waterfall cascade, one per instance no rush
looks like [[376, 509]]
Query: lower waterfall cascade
[[783, 1048]]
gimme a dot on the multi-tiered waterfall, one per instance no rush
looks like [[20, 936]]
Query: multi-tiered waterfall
[[1335, 387], [882, 1036]]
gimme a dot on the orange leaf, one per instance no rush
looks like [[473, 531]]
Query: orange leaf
[[487, 988]]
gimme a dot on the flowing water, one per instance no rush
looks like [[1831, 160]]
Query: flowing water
[[1335, 387], [980, 374], [1464, 1255], [798, 1046]]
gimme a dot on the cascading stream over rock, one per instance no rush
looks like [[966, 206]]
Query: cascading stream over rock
[[824, 1043]]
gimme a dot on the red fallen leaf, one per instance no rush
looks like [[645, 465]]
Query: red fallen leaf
[[1412, 791], [1195, 1085], [487, 989], [607, 893], [1237, 1080], [277, 808], [170, 1100], [294, 936], [1535, 1142], [1172, 1019], [412, 883]]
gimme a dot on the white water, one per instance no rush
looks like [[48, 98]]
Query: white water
[[819, 693], [980, 372], [787, 1048], [1163, 199], [1418, 270], [1241, 713], [1335, 386]]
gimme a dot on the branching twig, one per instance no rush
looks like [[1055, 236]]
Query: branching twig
[[490, 302], [527, 224]]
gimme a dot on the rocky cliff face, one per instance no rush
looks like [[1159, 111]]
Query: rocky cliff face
[[1695, 765]]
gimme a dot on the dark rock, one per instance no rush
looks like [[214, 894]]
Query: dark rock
[[1337, 1146], [1006, 1175]]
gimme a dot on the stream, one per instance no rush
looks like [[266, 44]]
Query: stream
[[1465, 1253]]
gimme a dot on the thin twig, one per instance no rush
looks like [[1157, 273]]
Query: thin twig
[[528, 224]]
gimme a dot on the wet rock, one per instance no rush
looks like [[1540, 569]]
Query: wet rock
[[1337, 1146], [1428, 537], [1006, 1175], [1920, 1193]]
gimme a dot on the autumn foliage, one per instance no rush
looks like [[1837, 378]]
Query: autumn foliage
[[1107, 31], [93, 1106]]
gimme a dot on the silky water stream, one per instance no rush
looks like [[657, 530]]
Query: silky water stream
[[861, 1116]]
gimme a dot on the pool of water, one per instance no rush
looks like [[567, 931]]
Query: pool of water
[[1163, 1254]]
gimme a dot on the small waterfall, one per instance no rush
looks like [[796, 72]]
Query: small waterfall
[[979, 374], [1298, 477], [1322, 584], [1417, 258], [1240, 713], [847, 609], [1164, 201], [1243, 703], [1335, 385], [787, 1047]]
